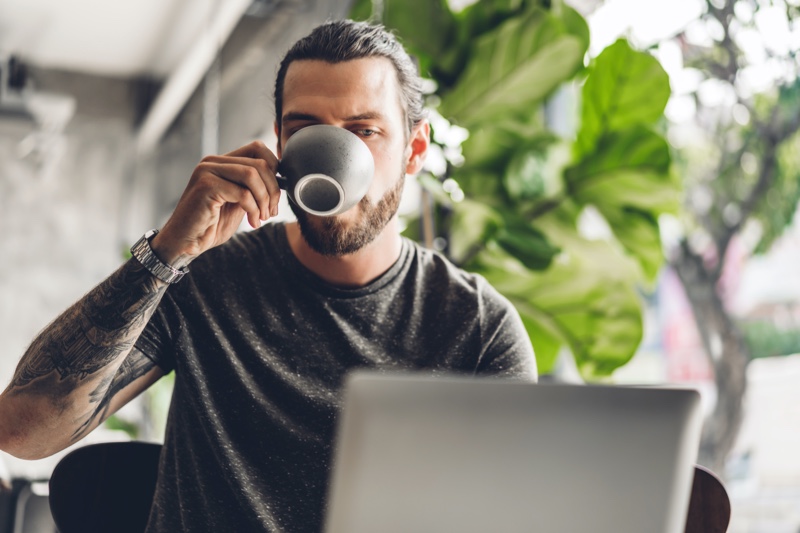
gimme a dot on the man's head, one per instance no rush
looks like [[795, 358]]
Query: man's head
[[346, 40], [355, 76]]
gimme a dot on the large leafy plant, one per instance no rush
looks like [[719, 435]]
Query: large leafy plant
[[529, 190]]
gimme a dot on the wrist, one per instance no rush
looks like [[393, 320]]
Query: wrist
[[143, 252], [168, 253]]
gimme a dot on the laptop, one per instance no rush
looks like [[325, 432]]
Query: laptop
[[419, 453]]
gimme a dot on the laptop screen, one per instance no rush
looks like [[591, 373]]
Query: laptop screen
[[421, 453]]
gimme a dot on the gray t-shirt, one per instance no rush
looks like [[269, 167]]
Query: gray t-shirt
[[260, 347]]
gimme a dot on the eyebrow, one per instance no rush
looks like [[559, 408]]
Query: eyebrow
[[294, 116], [369, 115]]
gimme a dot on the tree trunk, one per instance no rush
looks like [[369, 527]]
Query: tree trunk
[[726, 351]]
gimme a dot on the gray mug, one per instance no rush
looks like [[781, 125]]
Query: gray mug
[[325, 169]]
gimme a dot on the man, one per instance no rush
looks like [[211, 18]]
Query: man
[[263, 330]]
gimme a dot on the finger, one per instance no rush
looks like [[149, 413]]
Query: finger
[[252, 175], [256, 150], [274, 190], [267, 169], [270, 163], [229, 192]]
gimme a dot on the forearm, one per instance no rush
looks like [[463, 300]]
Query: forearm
[[63, 381]]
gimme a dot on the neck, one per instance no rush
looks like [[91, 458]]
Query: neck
[[353, 270]]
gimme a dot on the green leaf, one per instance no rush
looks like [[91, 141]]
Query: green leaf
[[587, 298], [624, 88], [513, 68], [413, 229], [362, 10], [473, 224], [526, 244], [575, 24], [490, 144], [116, 423], [627, 178], [630, 168], [547, 340], [484, 16], [481, 185], [524, 176], [639, 234], [425, 27], [471, 23]]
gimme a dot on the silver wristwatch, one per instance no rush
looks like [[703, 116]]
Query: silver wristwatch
[[144, 254]]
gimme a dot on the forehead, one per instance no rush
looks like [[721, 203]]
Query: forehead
[[347, 88]]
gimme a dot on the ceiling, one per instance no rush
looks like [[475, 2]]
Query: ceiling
[[119, 38], [171, 40]]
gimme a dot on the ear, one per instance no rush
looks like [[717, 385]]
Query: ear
[[277, 136], [417, 149]]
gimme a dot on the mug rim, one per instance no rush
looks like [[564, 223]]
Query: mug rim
[[303, 182]]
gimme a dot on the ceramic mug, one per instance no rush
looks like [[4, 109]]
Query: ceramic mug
[[325, 169]]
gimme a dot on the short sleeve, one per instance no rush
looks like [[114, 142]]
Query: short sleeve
[[508, 351]]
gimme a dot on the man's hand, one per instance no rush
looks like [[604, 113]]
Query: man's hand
[[222, 190]]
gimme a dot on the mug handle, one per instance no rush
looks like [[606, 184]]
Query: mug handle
[[283, 183]]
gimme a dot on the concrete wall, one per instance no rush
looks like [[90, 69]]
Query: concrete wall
[[60, 209]]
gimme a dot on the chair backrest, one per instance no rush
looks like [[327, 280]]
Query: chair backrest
[[105, 487], [31, 513], [110, 486], [709, 505]]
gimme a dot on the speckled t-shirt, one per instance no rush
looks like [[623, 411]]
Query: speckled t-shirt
[[260, 347]]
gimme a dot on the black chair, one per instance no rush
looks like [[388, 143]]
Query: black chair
[[107, 487], [709, 505], [24, 508]]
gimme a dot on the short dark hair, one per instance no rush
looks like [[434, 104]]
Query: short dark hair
[[345, 40]]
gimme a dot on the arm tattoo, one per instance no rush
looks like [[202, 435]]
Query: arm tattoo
[[89, 336], [135, 366]]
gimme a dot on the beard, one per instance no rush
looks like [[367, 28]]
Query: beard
[[332, 237]]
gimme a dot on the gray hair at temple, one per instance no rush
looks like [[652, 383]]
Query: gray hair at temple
[[345, 40]]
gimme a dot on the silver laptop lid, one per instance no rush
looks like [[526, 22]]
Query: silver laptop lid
[[432, 454]]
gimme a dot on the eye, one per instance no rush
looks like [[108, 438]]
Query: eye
[[365, 132]]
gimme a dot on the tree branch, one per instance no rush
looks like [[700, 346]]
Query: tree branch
[[724, 16], [773, 135]]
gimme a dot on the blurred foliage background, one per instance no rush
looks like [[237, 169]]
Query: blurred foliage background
[[513, 198]]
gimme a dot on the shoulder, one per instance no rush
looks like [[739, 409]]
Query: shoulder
[[467, 301], [464, 297], [439, 273]]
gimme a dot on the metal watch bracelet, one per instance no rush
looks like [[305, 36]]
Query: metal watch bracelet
[[143, 253]]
